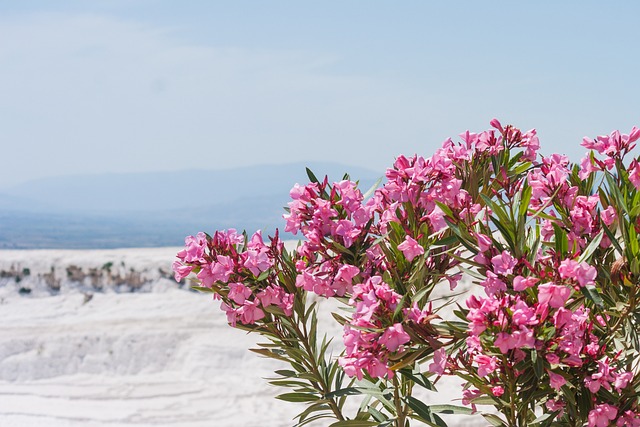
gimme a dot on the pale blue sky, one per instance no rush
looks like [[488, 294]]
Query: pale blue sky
[[122, 86]]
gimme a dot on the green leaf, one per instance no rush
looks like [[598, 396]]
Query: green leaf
[[612, 238], [451, 409], [589, 250], [592, 295], [445, 209], [494, 420], [298, 397], [312, 176], [545, 419], [370, 191], [562, 243], [419, 378], [286, 373], [354, 423], [263, 275], [615, 192], [538, 364], [349, 391], [316, 417], [203, 289], [341, 320], [411, 356], [424, 412], [269, 353], [524, 203]]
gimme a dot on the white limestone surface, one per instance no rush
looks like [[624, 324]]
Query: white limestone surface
[[165, 357]]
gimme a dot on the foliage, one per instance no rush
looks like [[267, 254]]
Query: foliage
[[549, 336]]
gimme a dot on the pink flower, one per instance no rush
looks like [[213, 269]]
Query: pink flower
[[553, 295], [394, 337], [232, 314], [484, 242], [496, 124], [250, 312], [222, 269], [582, 272], [503, 263], [621, 380], [238, 292], [410, 248], [194, 248], [602, 378], [378, 369], [436, 218], [469, 395], [439, 362], [587, 168], [553, 358], [346, 230], [556, 380], [497, 391], [628, 419], [521, 283], [492, 284], [523, 314], [180, 270], [486, 364], [257, 259], [608, 216], [634, 174], [414, 313], [555, 405], [601, 415], [453, 280], [517, 339], [343, 280]]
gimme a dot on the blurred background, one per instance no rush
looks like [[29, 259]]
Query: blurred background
[[134, 123]]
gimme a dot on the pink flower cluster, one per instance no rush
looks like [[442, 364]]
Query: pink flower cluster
[[368, 340], [231, 267], [525, 311], [531, 307]]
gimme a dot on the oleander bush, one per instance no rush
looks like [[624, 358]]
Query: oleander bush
[[549, 335]]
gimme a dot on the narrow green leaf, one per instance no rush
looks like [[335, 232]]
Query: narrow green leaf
[[354, 423], [494, 420], [589, 250], [312, 176], [349, 391], [545, 419], [298, 397], [562, 243], [203, 289], [371, 190], [286, 373], [592, 295], [268, 353], [450, 409], [612, 238], [420, 408], [538, 364], [524, 203]]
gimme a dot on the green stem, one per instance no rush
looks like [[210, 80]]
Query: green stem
[[510, 381], [311, 364], [401, 416]]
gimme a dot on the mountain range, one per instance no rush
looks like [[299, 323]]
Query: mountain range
[[155, 208]]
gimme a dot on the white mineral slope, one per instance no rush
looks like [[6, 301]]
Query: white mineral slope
[[107, 359]]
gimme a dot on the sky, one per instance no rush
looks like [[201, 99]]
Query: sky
[[90, 87]]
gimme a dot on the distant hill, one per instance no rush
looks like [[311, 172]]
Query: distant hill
[[153, 209]]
